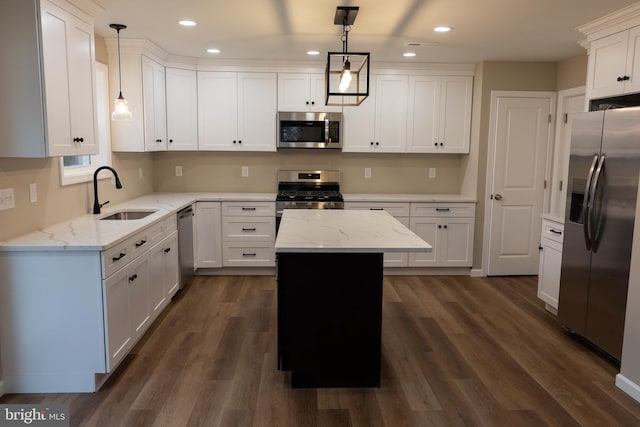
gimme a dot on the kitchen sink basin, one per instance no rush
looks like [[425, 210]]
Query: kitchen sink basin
[[127, 215]]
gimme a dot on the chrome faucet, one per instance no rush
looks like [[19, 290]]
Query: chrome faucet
[[96, 204]]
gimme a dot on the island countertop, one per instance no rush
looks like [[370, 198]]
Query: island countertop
[[335, 230]]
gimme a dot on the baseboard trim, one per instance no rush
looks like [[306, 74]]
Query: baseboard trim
[[477, 272], [628, 386]]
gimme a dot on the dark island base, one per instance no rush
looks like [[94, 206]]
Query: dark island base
[[330, 318]]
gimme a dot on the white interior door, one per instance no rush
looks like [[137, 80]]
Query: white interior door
[[518, 141]]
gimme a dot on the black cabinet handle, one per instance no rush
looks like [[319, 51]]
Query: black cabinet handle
[[248, 209], [377, 143], [140, 243], [313, 102], [158, 140], [171, 141], [376, 209], [248, 229], [371, 143], [439, 226], [119, 257], [623, 78], [239, 141], [441, 144], [80, 139], [307, 102], [555, 231], [167, 250], [436, 144], [249, 254], [445, 226], [133, 277], [234, 141], [442, 209]]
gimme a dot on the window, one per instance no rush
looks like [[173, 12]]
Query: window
[[77, 169]]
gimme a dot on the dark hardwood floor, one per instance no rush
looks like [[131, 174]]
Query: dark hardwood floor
[[456, 351]]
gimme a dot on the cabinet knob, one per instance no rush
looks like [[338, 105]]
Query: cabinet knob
[[371, 143], [313, 102], [158, 140], [439, 226], [167, 250], [171, 141], [234, 141], [133, 277], [239, 141], [307, 102], [377, 143], [80, 139], [441, 144], [445, 226], [436, 144]]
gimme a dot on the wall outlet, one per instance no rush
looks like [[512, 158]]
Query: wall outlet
[[432, 172], [245, 171], [7, 199], [178, 170], [33, 193], [140, 174], [367, 172]]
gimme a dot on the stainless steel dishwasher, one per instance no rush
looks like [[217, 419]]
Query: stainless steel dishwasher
[[185, 244]]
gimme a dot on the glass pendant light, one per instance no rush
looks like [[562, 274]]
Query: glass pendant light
[[121, 112]]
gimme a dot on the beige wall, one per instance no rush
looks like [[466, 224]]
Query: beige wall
[[392, 173], [57, 203], [572, 72]]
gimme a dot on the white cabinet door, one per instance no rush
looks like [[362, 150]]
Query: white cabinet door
[[633, 62], [422, 114], [217, 110], [153, 89], [163, 272], [607, 64], [69, 74], [549, 274], [439, 114], [359, 131], [427, 229], [318, 93], [208, 241], [128, 308], [455, 114], [257, 108], [294, 92], [456, 243], [391, 113], [182, 109]]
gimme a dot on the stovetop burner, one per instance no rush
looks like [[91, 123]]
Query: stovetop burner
[[320, 195], [309, 190]]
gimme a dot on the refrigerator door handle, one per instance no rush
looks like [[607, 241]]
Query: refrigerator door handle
[[586, 223], [592, 197]]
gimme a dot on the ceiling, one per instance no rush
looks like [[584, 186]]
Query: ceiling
[[483, 30]]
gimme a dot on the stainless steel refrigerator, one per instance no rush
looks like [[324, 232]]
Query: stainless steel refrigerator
[[601, 201]]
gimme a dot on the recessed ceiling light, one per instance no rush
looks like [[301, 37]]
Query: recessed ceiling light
[[409, 54], [213, 50], [187, 23], [313, 52], [442, 29]]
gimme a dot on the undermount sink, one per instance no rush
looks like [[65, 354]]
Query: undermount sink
[[127, 215]]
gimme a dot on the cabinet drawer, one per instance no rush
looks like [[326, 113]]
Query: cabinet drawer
[[145, 239], [254, 254], [249, 209], [116, 257], [552, 231], [443, 209], [256, 229], [396, 209]]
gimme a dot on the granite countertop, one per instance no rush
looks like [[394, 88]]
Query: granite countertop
[[335, 230], [88, 232]]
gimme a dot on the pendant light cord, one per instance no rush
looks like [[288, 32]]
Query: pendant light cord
[[119, 65]]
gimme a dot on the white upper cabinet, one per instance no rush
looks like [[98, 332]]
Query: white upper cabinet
[[155, 107], [614, 54], [237, 111], [182, 109], [51, 87], [302, 92], [379, 124], [439, 114]]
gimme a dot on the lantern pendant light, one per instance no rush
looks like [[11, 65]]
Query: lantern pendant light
[[121, 112], [347, 73]]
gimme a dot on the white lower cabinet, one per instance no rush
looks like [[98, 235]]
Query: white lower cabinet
[[248, 234], [550, 263], [93, 306], [449, 229], [207, 239]]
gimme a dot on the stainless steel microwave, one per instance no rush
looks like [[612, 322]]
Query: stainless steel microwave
[[309, 130]]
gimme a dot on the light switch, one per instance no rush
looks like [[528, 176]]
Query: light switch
[[367, 172], [245, 171], [178, 170], [432, 172]]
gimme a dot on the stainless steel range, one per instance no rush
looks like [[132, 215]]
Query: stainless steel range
[[305, 189]]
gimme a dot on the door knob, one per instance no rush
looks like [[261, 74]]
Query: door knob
[[498, 197]]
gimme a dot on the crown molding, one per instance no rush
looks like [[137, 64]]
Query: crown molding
[[617, 21]]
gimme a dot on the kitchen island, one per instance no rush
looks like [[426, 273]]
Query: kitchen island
[[330, 272]]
